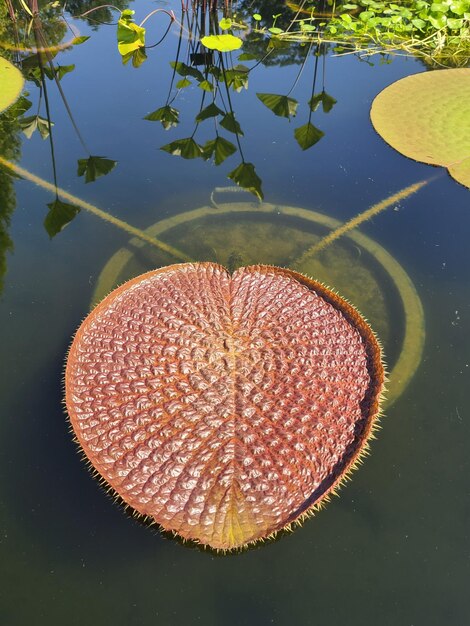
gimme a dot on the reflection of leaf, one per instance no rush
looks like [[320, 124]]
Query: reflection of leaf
[[60, 214], [220, 148], [206, 85], [186, 148], [324, 99], [237, 77], [212, 110], [245, 176], [283, 106], [21, 106], [138, 57], [184, 82], [94, 167], [58, 71], [308, 135], [35, 122], [185, 70], [222, 43], [130, 36], [79, 40], [230, 123], [167, 115]]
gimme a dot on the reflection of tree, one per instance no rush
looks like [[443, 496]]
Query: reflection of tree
[[101, 16], [10, 149]]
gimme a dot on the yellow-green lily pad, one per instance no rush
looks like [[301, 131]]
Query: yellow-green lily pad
[[426, 117], [12, 81]]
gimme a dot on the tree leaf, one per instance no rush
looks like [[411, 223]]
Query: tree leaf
[[308, 135], [283, 106], [220, 148], [230, 123], [186, 148], [167, 115], [222, 43], [245, 176], [212, 110], [94, 167], [60, 214]]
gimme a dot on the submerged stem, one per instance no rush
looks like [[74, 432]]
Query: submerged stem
[[131, 230], [359, 219]]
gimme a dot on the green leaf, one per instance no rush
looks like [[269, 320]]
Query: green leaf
[[283, 106], [230, 123], [185, 70], [79, 40], [186, 148], [454, 24], [257, 17], [167, 115], [275, 30], [94, 167], [324, 99], [19, 107], [212, 110], [225, 23], [35, 122], [138, 57], [205, 85], [247, 56], [183, 83], [220, 148], [222, 43], [130, 36], [245, 176], [58, 71], [237, 77], [308, 135], [60, 214]]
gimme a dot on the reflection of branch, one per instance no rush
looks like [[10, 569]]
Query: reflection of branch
[[229, 100], [38, 31]]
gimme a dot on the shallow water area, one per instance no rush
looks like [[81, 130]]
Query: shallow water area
[[394, 547]]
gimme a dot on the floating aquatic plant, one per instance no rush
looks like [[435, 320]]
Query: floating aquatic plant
[[223, 407], [427, 117], [12, 82]]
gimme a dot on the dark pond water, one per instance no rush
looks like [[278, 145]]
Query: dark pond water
[[394, 548]]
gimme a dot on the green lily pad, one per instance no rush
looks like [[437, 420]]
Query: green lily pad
[[12, 82], [426, 117], [222, 43]]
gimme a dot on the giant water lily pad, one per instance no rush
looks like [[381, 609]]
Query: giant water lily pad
[[224, 407], [11, 81], [427, 117]]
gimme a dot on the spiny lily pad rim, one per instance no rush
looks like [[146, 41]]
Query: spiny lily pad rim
[[370, 403]]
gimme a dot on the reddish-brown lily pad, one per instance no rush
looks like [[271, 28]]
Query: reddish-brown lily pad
[[223, 406]]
